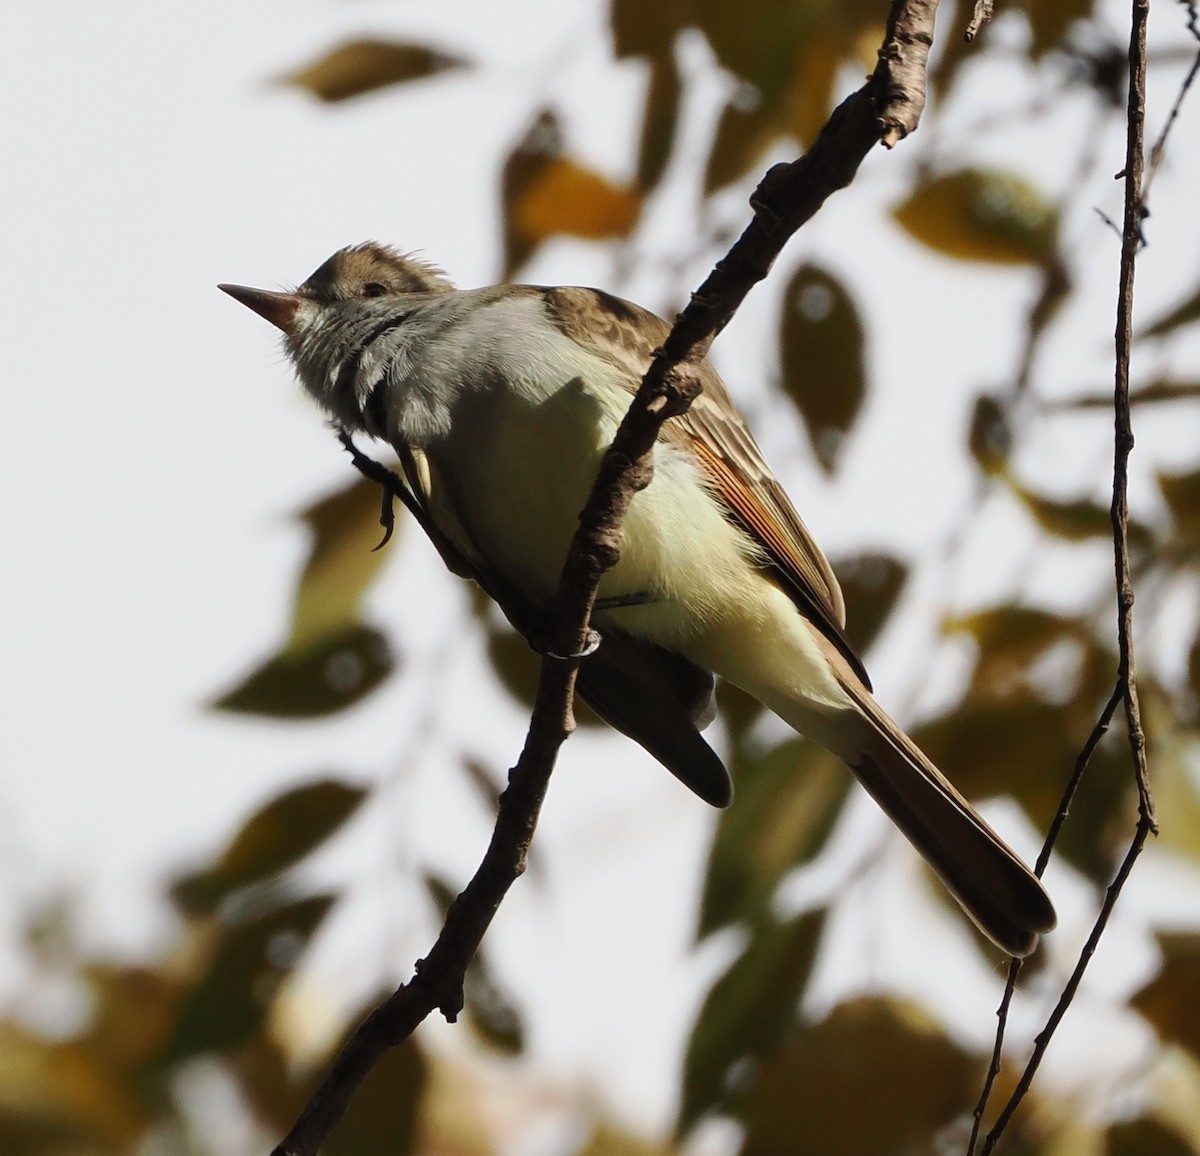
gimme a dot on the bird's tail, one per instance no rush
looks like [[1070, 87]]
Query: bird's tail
[[1002, 896]]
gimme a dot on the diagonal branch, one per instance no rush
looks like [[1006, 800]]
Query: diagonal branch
[[885, 109]]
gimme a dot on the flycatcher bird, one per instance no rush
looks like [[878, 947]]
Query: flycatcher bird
[[500, 403]]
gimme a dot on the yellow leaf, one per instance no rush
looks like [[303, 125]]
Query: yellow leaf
[[566, 198], [981, 215], [365, 65]]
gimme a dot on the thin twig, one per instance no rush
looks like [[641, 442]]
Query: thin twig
[[1126, 688]]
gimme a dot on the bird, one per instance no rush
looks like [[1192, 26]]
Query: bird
[[500, 402]]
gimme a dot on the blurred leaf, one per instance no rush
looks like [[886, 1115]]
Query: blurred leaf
[[875, 1078], [641, 29], [1171, 1000], [746, 130], [1011, 638], [787, 801], [821, 356], [1145, 1137], [63, 1097], [133, 1012], [328, 677], [990, 439], [1182, 314], [1181, 492], [1161, 390], [757, 40], [276, 836], [361, 66], [341, 565], [660, 120], [1074, 521], [737, 709], [383, 1115], [532, 154], [249, 960], [981, 215], [871, 584], [564, 198], [748, 1012], [1050, 20], [607, 1140]]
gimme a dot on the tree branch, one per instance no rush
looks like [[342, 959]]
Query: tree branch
[[884, 109], [1126, 688]]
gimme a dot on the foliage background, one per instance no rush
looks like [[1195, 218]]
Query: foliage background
[[924, 371]]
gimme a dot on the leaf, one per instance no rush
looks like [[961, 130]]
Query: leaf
[[871, 585], [821, 356], [746, 130], [341, 565], [328, 677], [1171, 1000], [990, 439], [1181, 492], [875, 1078], [133, 1013], [660, 120], [1075, 521], [641, 29], [278, 835], [360, 66], [787, 801], [737, 709], [981, 215], [383, 1115], [249, 960], [749, 1011], [1161, 390], [1011, 638], [564, 198], [62, 1097], [757, 40], [1183, 314], [1145, 1137], [1050, 20], [541, 144]]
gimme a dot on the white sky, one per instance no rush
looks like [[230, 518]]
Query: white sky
[[153, 449]]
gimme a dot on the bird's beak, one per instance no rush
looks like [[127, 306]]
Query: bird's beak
[[278, 308]]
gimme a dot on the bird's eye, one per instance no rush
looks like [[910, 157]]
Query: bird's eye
[[373, 289]]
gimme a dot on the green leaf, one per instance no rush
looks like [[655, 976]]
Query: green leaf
[[981, 215], [1171, 1000], [641, 29], [361, 66], [1145, 1137], [749, 1012], [322, 680], [1050, 20], [1075, 521], [341, 565], [1183, 314], [875, 1078], [1011, 638], [1181, 492], [821, 356], [990, 439], [746, 130], [1161, 390], [249, 960], [275, 837], [871, 585], [383, 1115], [660, 120], [787, 801]]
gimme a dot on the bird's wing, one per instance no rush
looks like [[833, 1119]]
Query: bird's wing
[[714, 432], [654, 696]]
